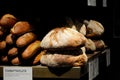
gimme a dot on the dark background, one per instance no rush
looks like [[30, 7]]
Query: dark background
[[45, 15]]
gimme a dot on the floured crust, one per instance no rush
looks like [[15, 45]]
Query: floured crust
[[61, 60], [94, 28], [63, 37]]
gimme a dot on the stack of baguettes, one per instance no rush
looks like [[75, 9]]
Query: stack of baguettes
[[18, 43]]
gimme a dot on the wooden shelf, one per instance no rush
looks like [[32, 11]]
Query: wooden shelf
[[74, 72]]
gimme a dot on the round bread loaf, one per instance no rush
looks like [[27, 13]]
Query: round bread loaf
[[63, 37]]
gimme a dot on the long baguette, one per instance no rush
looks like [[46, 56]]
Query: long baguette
[[31, 50], [25, 39]]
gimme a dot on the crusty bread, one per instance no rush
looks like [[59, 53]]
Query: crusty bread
[[25, 39], [61, 60], [2, 45], [13, 51], [9, 39], [8, 20], [15, 61], [90, 45], [100, 44], [38, 57], [63, 37], [20, 27], [94, 29], [31, 49]]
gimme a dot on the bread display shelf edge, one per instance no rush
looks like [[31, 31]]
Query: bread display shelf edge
[[45, 72]]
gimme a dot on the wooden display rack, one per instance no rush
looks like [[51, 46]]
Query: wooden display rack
[[70, 73]]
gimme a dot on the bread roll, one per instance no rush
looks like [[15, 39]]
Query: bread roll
[[8, 20], [94, 29], [13, 51], [20, 27], [2, 45], [9, 39], [62, 38], [15, 61], [1, 33], [4, 59], [31, 50], [25, 39]]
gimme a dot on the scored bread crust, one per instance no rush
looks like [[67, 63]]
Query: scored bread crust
[[63, 37]]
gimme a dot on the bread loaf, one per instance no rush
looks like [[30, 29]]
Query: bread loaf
[[38, 57], [100, 44], [25, 39], [15, 61], [4, 59], [20, 27], [90, 45], [2, 45], [94, 29], [31, 50], [13, 51], [62, 38], [8, 20], [61, 60], [9, 39]]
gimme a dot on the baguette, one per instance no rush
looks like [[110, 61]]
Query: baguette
[[2, 45], [8, 20], [15, 61], [38, 57], [20, 27], [4, 59], [9, 39], [25, 39], [31, 50], [13, 51]]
